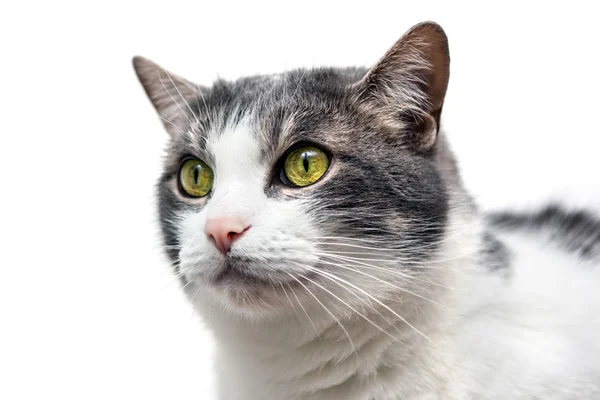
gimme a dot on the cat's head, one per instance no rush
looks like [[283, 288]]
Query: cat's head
[[314, 185]]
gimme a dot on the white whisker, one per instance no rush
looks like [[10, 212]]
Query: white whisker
[[327, 310], [183, 98], [384, 282], [307, 316], [352, 308], [359, 262], [172, 98], [378, 302]]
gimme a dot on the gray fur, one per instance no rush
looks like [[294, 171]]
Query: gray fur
[[577, 232]]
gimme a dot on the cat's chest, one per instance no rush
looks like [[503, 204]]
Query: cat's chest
[[381, 369]]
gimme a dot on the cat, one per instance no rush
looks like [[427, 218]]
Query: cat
[[317, 221]]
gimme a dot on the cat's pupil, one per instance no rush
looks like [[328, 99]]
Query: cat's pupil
[[196, 175], [305, 161]]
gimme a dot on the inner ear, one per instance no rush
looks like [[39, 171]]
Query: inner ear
[[420, 129]]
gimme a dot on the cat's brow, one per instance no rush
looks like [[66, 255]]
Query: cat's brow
[[193, 143]]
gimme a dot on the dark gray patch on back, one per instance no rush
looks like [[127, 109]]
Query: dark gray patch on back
[[577, 232]]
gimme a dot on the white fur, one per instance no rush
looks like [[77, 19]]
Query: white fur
[[238, 175], [534, 338], [538, 337]]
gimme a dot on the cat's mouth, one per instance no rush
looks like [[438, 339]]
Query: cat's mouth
[[232, 273], [242, 272], [251, 285]]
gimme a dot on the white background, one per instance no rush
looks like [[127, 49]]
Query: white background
[[88, 309]]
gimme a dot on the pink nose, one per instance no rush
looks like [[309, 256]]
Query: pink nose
[[223, 231]]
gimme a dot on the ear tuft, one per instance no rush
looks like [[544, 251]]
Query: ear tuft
[[170, 94]]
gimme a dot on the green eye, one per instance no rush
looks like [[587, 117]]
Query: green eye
[[196, 178], [305, 165]]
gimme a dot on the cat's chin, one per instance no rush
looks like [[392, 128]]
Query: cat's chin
[[251, 293], [247, 286]]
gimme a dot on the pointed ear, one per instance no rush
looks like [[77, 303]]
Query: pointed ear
[[409, 83], [171, 95]]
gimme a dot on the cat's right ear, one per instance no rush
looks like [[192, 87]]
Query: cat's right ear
[[172, 96]]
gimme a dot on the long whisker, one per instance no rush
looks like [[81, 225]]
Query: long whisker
[[195, 294], [174, 278], [353, 309], [415, 263], [172, 124], [184, 286], [172, 98], [383, 281], [303, 309], [289, 300], [199, 91], [183, 98], [377, 301], [358, 262], [436, 243], [327, 310]]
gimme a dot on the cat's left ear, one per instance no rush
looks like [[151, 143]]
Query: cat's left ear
[[171, 95], [408, 85]]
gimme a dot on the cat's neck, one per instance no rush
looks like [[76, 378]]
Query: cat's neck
[[329, 360]]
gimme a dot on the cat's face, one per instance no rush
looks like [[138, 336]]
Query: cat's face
[[309, 186]]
